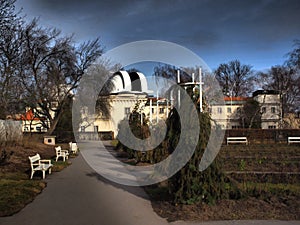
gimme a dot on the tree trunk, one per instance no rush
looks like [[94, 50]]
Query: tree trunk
[[54, 123]]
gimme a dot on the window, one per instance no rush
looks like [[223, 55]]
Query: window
[[127, 110], [263, 110], [219, 110], [229, 110], [272, 127], [152, 110], [96, 128], [39, 129], [161, 110], [273, 109]]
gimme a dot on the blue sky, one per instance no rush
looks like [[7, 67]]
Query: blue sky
[[256, 32]]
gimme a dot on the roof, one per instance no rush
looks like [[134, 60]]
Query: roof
[[229, 98], [29, 115], [235, 100], [265, 92]]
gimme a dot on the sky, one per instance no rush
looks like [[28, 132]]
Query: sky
[[257, 32]]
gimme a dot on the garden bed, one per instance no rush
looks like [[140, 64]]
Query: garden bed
[[268, 177]]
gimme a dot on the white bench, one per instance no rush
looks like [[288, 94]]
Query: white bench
[[38, 164], [293, 140], [61, 153], [237, 140], [73, 147]]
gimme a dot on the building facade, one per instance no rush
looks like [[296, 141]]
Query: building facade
[[271, 108], [228, 115], [231, 114]]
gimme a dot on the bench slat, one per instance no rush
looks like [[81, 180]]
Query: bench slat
[[237, 140], [293, 140]]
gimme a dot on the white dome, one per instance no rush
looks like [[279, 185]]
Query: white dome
[[129, 82]]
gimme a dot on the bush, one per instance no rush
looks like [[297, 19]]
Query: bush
[[4, 157]]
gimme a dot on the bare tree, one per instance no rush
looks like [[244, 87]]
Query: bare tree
[[294, 56], [10, 41], [235, 78], [286, 81], [93, 93], [170, 72], [51, 69]]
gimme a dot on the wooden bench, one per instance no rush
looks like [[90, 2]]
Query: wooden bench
[[38, 164], [293, 140], [237, 140], [61, 153]]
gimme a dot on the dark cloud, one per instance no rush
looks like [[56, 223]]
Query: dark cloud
[[257, 25]]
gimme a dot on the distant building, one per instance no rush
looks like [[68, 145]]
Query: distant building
[[157, 109], [129, 89], [121, 105], [271, 108], [30, 122], [230, 115]]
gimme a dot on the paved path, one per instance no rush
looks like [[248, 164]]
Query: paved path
[[79, 196]]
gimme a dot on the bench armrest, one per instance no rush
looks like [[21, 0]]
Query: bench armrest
[[45, 161], [65, 151]]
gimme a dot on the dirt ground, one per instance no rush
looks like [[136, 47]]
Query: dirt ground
[[243, 209], [17, 154], [276, 158]]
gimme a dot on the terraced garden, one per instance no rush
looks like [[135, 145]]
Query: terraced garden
[[268, 176]]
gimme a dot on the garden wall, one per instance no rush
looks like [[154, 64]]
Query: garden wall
[[10, 131], [262, 135]]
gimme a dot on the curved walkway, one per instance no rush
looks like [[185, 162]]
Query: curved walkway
[[79, 196]]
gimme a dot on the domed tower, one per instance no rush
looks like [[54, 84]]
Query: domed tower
[[129, 82]]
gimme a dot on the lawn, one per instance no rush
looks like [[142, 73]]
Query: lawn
[[16, 189]]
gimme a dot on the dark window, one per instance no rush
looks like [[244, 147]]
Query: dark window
[[219, 110], [161, 110], [127, 110], [96, 128], [273, 109]]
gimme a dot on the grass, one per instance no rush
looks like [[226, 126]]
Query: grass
[[114, 142], [266, 190], [16, 190], [59, 165]]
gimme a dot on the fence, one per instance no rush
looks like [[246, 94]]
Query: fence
[[10, 131], [264, 135]]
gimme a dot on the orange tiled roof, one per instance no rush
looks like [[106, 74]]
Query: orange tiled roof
[[228, 98], [29, 115]]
